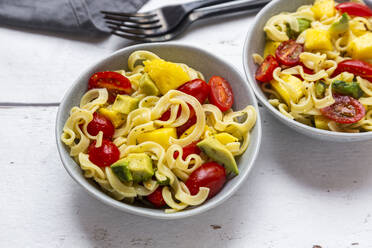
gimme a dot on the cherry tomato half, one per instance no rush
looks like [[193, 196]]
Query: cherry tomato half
[[355, 9], [221, 93], [288, 53], [189, 149], [197, 88], [101, 123], [357, 67], [105, 155], [210, 175], [345, 110], [156, 198], [114, 82], [265, 71]]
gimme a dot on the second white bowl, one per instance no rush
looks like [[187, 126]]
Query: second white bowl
[[254, 43]]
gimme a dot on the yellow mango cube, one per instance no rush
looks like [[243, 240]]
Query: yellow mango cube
[[361, 47], [116, 118], [166, 75], [270, 48], [357, 28], [160, 136], [292, 91], [225, 138], [323, 9], [318, 39]]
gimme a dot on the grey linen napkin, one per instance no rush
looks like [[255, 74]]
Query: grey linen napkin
[[77, 16]]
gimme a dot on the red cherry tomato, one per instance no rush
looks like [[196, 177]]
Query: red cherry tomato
[[288, 53], [197, 88], [357, 67], [156, 198], [114, 82], [166, 115], [101, 123], [355, 9], [189, 149], [105, 155], [307, 70], [345, 110], [191, 121], [210, 175], [221, 93], [265, 71]]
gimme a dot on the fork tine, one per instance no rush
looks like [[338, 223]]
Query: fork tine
[[127, 36], [128, 19], [134, 26], [115, 26], [146, 14]]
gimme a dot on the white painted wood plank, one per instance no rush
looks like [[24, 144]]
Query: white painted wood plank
[[302, 192], [41, 66]]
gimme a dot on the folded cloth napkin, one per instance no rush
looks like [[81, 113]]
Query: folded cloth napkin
[[78, 16]]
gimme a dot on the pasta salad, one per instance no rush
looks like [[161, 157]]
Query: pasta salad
[[316, 66], [158, 133]]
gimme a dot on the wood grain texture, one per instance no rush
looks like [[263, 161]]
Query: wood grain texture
[[302, 192], [299, 194], [47, 64]]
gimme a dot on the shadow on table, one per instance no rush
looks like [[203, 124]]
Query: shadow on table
[[322, 165], [121, 42], [105, 226]]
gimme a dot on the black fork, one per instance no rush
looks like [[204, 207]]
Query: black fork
[[233, 7], [155, 22]]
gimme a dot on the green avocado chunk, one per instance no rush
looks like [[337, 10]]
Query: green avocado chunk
[[125, 104], [218, 152], [121, 170], [136, 167], [320, 88], [341, 25], [161, 179], [148, 86], [303, 24], [347, 88]]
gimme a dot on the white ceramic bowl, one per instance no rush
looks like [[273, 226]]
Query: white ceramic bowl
[[254, 43], [199, 59]]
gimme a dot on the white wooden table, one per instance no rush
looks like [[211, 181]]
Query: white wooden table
[[301, 193]]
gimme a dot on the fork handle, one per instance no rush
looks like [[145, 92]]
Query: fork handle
[[203, 3], [233, 7]]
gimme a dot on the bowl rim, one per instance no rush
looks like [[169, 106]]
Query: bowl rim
[[263, 99], [149, 212]]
